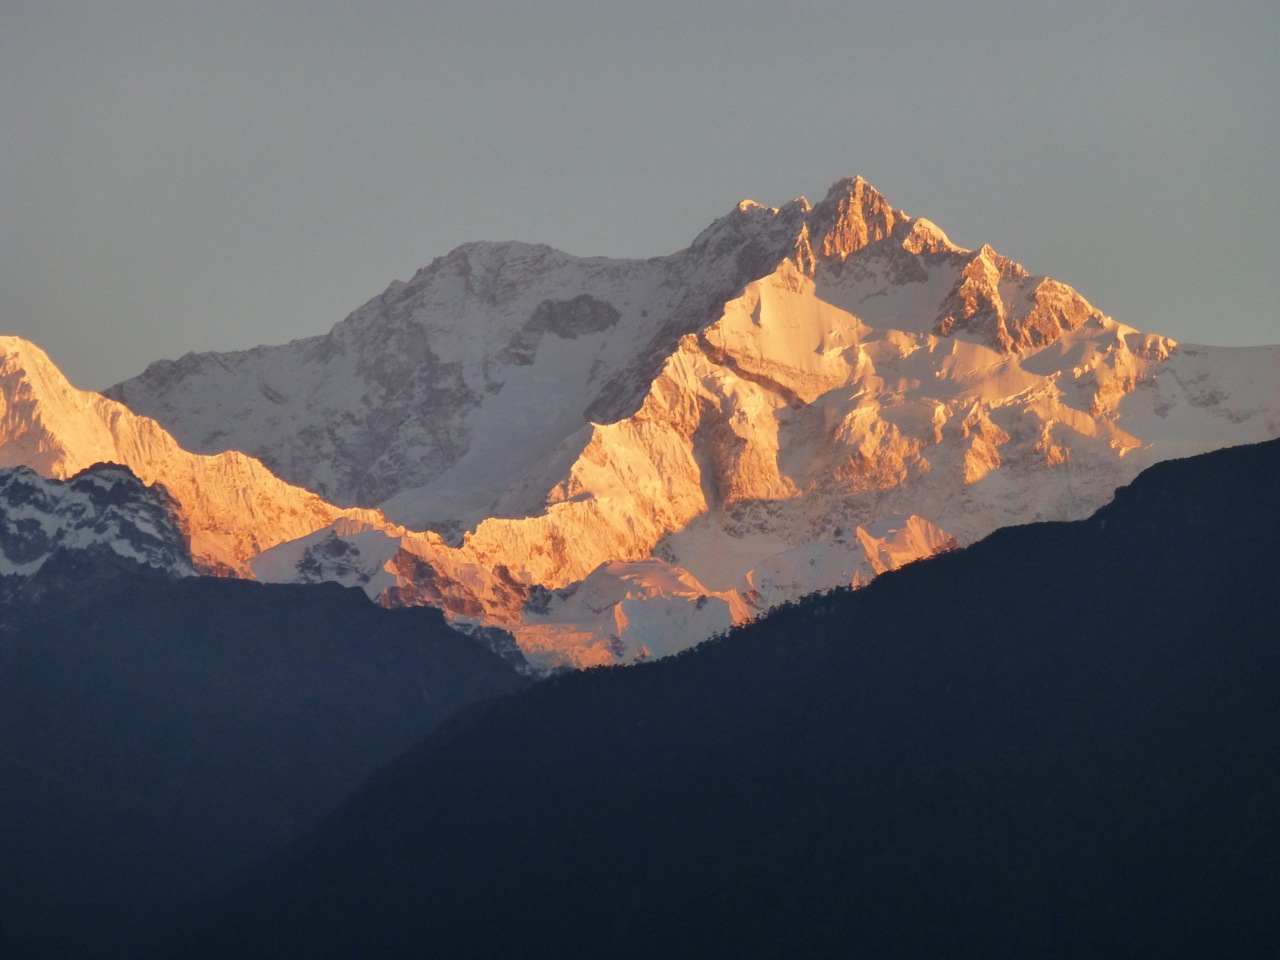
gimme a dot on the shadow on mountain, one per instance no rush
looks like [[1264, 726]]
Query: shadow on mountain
[[160, 735], [1060, 742]]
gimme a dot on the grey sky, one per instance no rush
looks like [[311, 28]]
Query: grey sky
[[180, 175]]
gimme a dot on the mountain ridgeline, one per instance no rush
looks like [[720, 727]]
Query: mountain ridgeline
[[613, 459], [1057, 742], [104, 506]]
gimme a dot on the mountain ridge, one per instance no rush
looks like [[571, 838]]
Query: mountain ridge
[[741, 246], [104, 505], [233, 507], [610, 457]]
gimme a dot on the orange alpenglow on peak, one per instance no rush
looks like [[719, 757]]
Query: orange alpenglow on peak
[[615, 458], [233, 506]]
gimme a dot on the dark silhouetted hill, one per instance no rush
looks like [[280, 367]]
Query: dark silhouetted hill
[[159, 734]]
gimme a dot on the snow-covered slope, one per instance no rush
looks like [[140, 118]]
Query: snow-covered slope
[[468, 390], [805, 396], [102, 507], [233, 507]]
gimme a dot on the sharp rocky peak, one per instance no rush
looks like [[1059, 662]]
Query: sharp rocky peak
[[850, 217], [21, 359]]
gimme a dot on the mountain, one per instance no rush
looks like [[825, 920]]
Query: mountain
[[1057, 742], [232, 506], [161, 734], [103, 505], [446, 383], [615, 458]]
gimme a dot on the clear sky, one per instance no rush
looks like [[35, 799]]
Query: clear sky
[[179, 175]]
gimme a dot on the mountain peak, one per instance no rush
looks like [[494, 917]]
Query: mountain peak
[[11, 345], [848, 186], [925, 236], [21, 358], [104, 507], [234, 506], [852, 215]]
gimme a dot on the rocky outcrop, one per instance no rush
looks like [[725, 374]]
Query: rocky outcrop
[[1034, 315]]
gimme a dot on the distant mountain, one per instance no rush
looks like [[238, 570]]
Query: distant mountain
[[615, 458], [1058, 742], [161, 734], [102, 506]]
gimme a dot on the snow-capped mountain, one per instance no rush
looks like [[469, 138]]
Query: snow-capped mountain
[[805, 396], [232, 506], [102, 507], [468, 390], [613, 458]]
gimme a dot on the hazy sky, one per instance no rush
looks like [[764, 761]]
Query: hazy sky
[[180, 175]]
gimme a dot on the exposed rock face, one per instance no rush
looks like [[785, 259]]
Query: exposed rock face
[[1037, 316], [852, 216], [805, 396]]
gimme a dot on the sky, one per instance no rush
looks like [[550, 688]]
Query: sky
[[179, 175]]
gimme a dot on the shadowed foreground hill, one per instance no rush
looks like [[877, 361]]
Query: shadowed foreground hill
[[160, 735], [1058, 742]]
